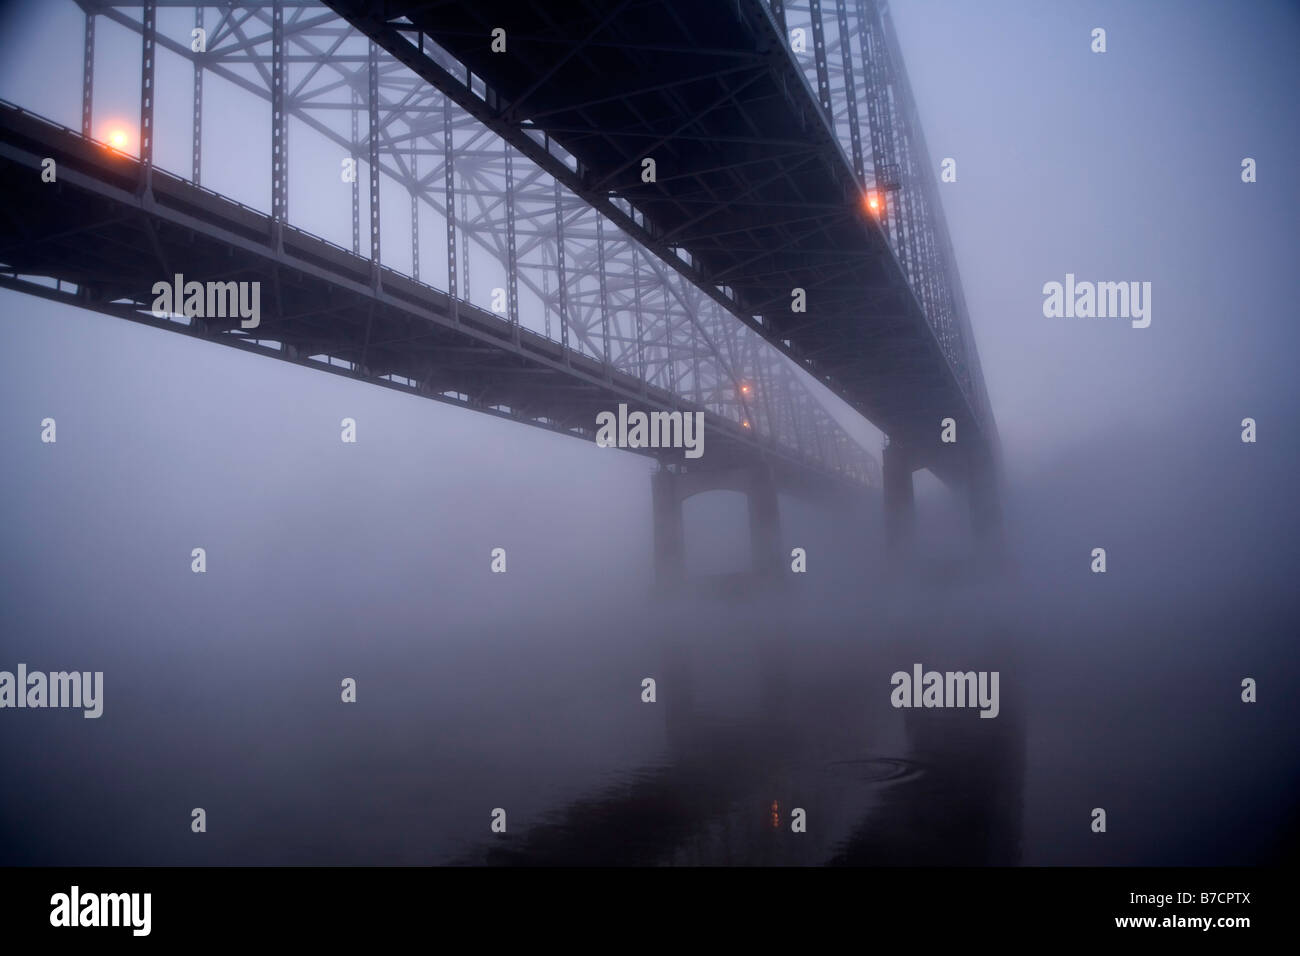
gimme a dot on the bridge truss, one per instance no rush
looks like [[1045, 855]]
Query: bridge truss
[[488, 225]]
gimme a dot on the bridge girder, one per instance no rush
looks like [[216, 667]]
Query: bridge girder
[[704, 88], [608, 297]]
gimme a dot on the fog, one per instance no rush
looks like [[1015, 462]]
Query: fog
[[479, 690]]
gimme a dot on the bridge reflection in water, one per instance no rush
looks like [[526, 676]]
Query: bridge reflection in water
[[811, 731]]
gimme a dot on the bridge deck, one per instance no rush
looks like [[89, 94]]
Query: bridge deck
[[751, 181], [97, 229]]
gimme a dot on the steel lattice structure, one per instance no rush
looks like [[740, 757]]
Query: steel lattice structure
[[857, 69], [755, 121], [568, 272]]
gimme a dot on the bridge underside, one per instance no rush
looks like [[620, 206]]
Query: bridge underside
[[101, 230], [751, 181]]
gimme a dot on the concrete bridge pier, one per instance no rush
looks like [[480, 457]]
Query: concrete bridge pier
[[973, 477], [669, 532], [896, 469], [670, 487]]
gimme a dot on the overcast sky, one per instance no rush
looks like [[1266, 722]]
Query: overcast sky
[[1118, 166]]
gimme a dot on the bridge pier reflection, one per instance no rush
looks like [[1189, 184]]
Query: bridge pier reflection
[[765, 726], [669, 532], [896, 467]]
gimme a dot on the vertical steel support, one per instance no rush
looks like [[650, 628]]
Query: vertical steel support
[[88, 76], [794, 416], [512, 262], [850, 89], [872, 56], [819, 55], [695, 359], [669, 359], [815, 427], [415, 209], [563, 287], [373, 77], [449, 172], [279, 122], [764, 385], [945, 305], [894, 130], [356, 183], [464, 243], [546, 300], [604, 297], [148, 27], [196, 160], [779, 380], [907, 193], [640, 323], [744, 371]]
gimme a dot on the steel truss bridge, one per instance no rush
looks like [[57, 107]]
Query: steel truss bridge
[[537, 274]]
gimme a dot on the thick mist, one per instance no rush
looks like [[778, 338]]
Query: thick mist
[[523, 690]]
